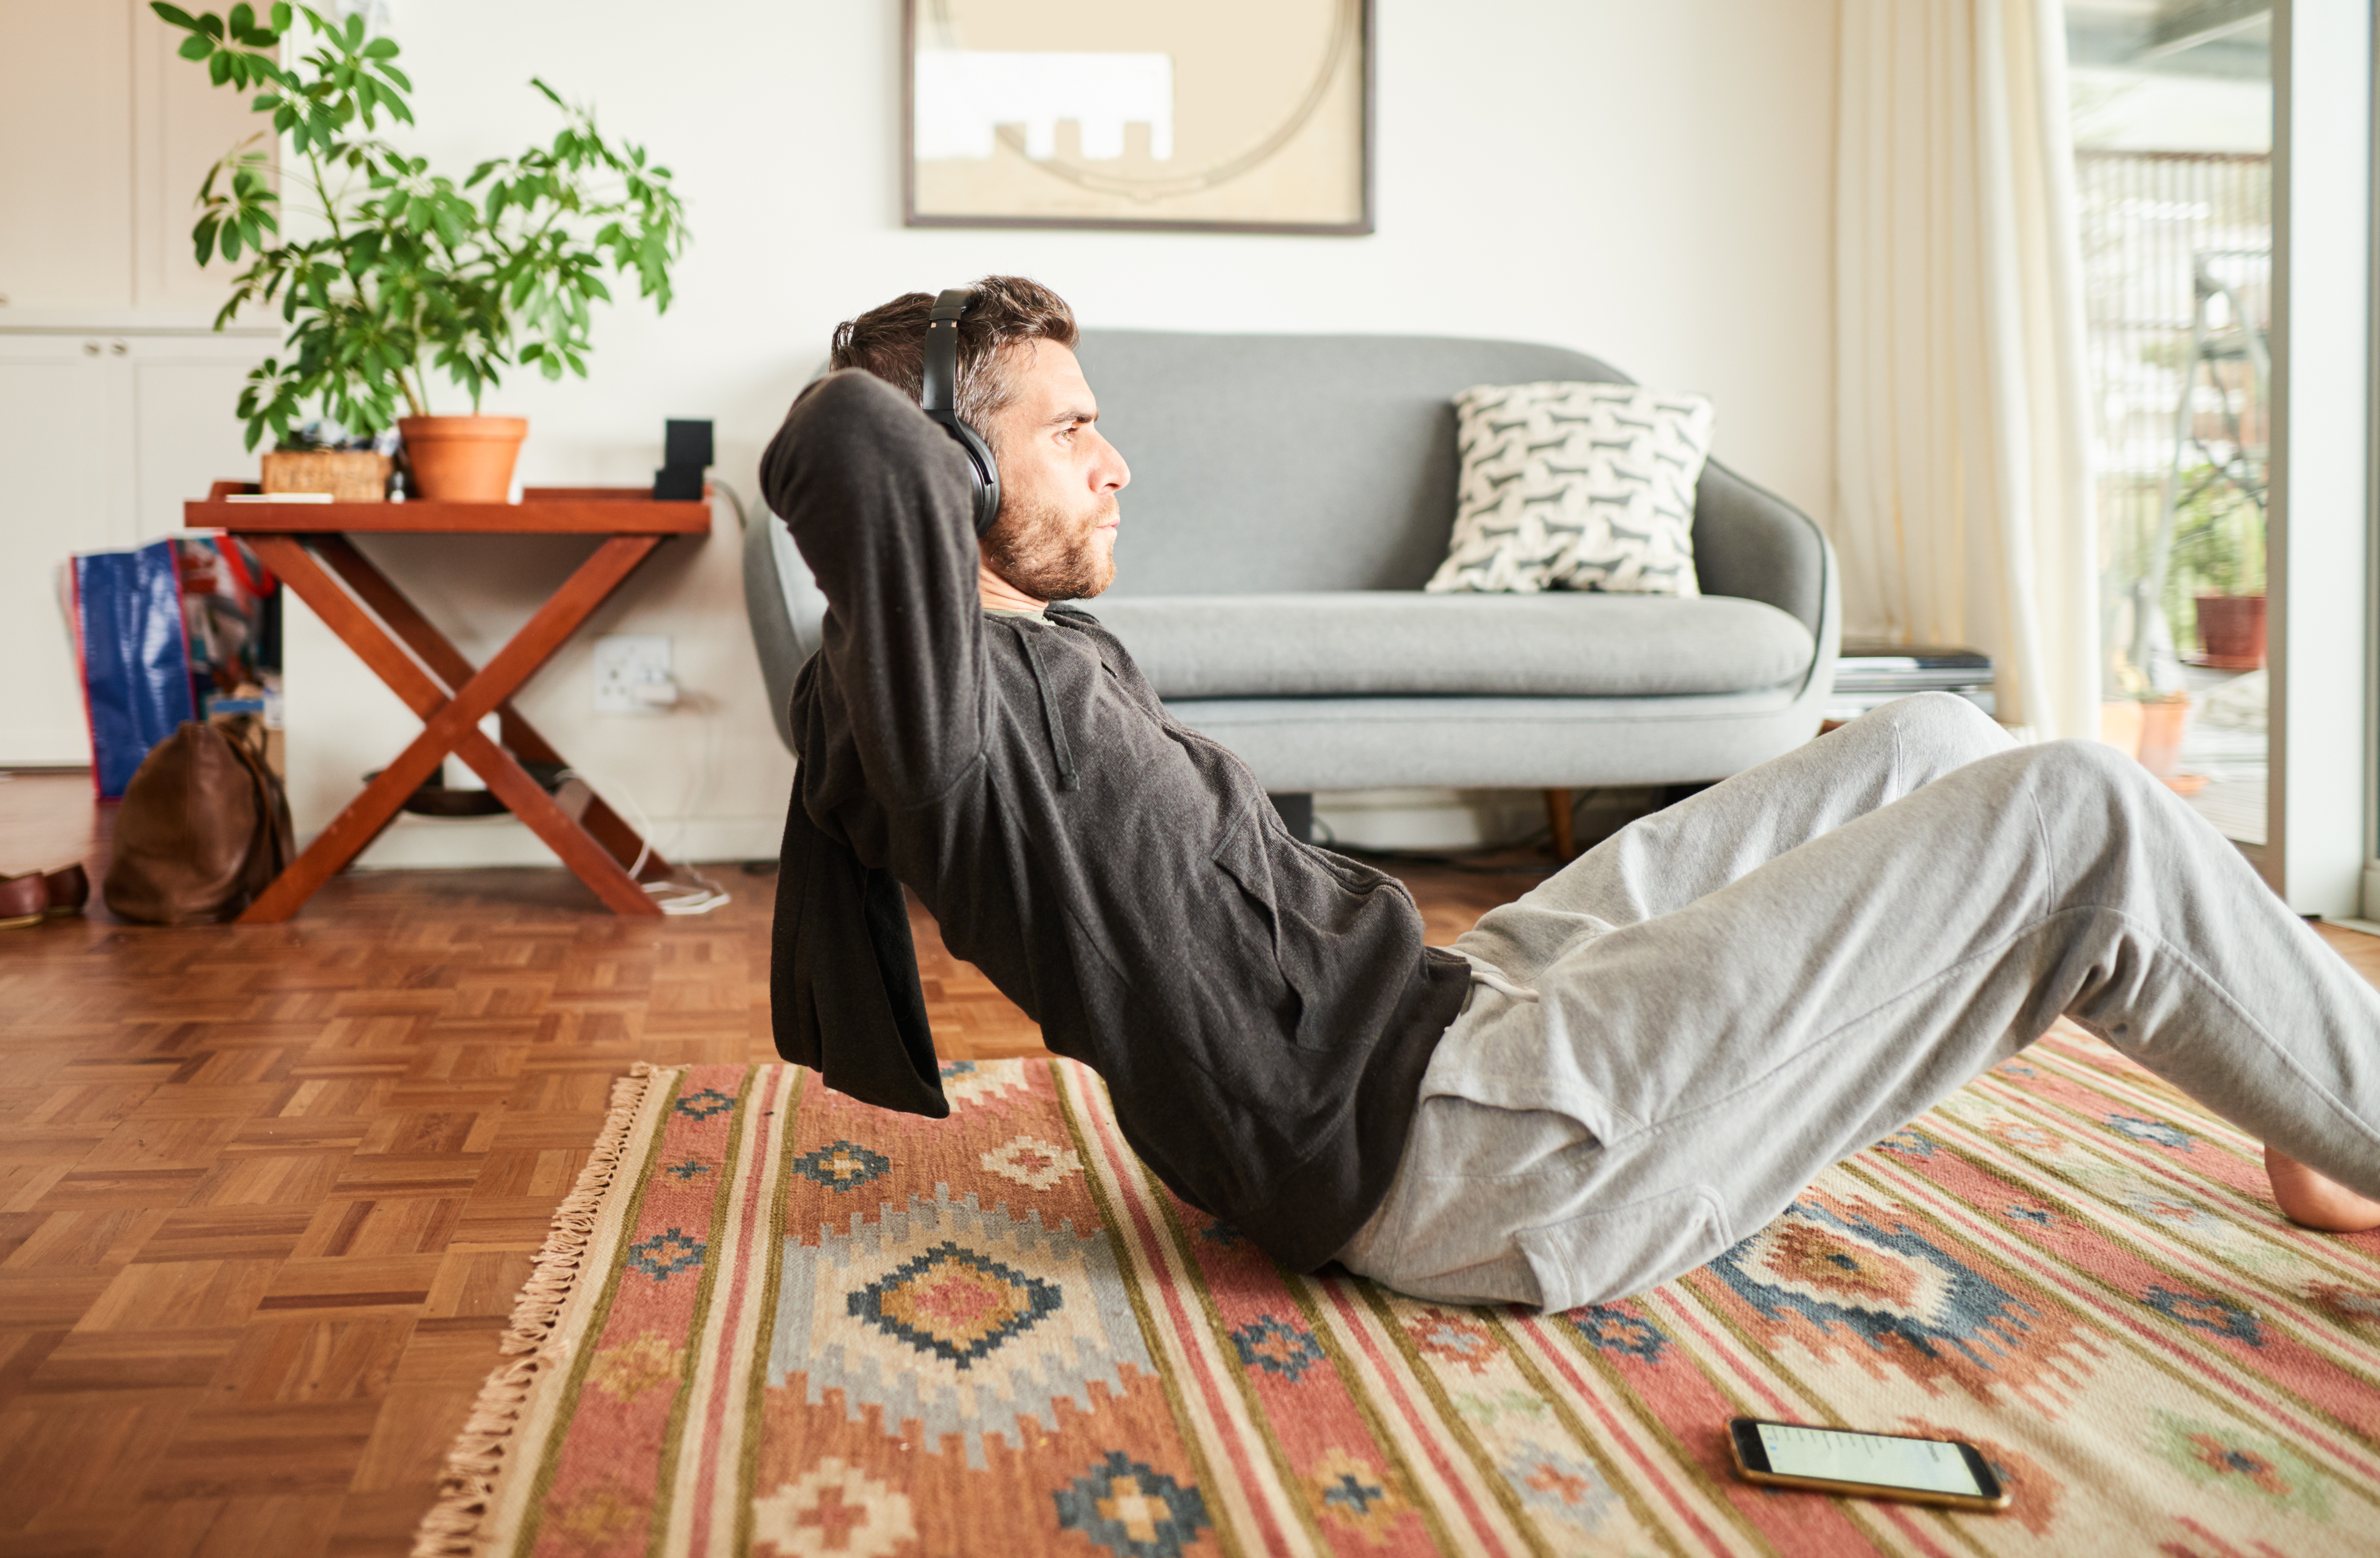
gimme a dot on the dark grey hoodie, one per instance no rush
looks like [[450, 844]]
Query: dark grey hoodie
[[1261, 1010]]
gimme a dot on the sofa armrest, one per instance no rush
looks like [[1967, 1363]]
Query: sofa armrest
[[1749, 542]]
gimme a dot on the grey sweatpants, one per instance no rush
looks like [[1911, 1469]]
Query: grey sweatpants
[[1666, 1041]]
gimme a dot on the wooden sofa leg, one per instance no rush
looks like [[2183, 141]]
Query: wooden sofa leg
[[1558, 817]]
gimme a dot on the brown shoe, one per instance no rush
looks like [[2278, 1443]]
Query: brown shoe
[[68, 889], [23, 900]]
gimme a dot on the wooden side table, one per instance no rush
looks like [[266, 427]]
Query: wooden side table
[[307, 544]]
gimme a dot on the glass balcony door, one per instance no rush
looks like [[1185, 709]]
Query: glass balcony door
[[2225, 156]]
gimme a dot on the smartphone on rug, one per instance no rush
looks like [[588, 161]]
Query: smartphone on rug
[[1866, 1466]]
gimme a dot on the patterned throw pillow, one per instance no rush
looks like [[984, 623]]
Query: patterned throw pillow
[[1576, 486]]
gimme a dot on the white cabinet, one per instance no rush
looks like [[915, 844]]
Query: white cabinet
[[115, 401], [105, 143], [103, 437]]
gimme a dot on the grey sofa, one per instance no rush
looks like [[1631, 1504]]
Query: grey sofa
[[1290, 496]]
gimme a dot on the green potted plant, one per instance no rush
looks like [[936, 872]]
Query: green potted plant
[[2219, 559], [400, 275]]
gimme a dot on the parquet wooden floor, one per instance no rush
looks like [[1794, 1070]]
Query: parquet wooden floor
[[266, 1193]]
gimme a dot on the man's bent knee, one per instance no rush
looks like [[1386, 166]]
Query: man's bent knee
[[1946, 723], [2090, 776]]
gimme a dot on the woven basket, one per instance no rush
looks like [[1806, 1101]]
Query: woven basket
[[348, 475]]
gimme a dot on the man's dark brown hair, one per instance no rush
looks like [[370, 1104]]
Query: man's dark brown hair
[[889, 342]]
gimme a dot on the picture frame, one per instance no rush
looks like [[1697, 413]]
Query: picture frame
[[1230, 117]]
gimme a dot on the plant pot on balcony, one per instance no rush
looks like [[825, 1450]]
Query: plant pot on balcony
[[2164, 722], [462, 460], [2152, 730], [2231, 632]]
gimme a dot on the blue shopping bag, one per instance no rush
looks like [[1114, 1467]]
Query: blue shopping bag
[[134, 656]]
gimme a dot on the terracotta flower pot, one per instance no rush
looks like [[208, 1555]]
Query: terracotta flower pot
[[2164, 722], [2231, 632], [462, 460]]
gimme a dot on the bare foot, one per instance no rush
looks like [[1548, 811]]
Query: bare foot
[[2310, 1201]]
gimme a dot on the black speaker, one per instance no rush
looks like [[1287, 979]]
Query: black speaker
[[686, 454], [688, 443]]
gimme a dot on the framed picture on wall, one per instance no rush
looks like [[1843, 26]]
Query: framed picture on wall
[[1226, 115]]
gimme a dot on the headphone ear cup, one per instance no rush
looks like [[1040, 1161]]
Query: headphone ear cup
[[986, 471]]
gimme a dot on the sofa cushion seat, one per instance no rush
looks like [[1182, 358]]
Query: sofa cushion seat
[[1357, 643]]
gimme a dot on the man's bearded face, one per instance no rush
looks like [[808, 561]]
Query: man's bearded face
[[1050, 552], [1055, 536]]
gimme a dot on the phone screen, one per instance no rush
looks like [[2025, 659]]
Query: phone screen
[[1929, 1465]]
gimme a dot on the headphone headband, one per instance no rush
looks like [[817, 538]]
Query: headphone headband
[[939, 394], [938, 397]]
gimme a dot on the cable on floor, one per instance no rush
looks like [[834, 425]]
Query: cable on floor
[[698, 896]]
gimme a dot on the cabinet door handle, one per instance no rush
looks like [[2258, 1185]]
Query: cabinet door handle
[[117, 348], [91, 348]]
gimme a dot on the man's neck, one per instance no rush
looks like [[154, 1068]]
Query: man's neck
[[999, 595]]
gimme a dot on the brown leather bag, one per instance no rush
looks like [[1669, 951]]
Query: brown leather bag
[[204, 825]]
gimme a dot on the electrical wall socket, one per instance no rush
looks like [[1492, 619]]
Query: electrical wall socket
[[632, 675]]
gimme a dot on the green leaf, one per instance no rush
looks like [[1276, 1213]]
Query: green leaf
[[404, 82], [204, 235], [196, 46], [243, 17], [381, 48], [211, 25], [355, 35], [282, 17], [219, 68]]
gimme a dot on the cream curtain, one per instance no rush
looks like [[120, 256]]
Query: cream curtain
[[1962, 419]]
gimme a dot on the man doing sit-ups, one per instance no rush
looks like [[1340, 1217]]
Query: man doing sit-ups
[[1593, 1089]]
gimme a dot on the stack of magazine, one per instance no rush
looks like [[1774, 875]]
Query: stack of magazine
[[1869, 673]]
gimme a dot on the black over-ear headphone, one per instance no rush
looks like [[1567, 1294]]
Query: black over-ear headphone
[[940, 398]]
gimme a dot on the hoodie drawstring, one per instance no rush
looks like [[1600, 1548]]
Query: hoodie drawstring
[[1486, 973], [1058, 747]]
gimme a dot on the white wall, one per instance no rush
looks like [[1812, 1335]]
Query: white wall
[[1652, 183]]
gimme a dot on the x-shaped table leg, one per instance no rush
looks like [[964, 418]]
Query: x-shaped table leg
[[451, 723], [447, 663]]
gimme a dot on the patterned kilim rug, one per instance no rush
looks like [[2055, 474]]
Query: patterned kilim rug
[[774, 1321]]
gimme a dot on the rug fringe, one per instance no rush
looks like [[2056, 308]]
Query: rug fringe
[[451, 1529]]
